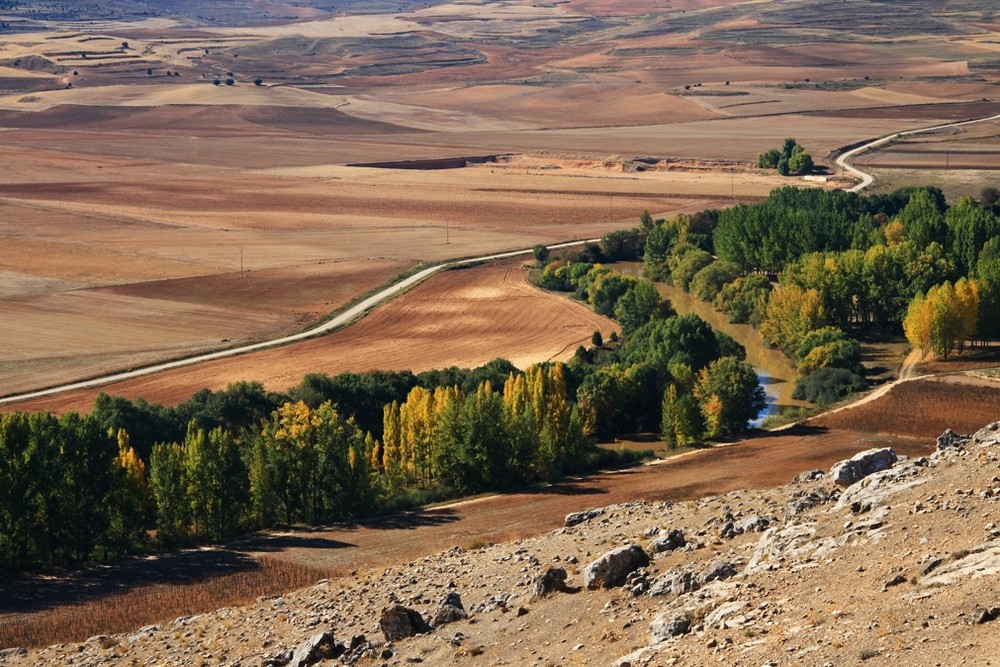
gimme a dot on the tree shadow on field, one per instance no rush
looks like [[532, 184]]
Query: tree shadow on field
[[565, 489], [798, 430], [283, 541], [186, 567], [409, 520]]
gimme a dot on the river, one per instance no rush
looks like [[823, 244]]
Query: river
[[775, 371]]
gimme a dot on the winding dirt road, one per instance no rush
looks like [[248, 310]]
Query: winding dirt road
[[866, 178]]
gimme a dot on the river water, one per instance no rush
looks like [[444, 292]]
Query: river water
[[775, 371]]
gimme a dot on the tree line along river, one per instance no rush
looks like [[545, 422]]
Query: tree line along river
[[777, 374]]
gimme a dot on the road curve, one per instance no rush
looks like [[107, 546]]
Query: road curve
[[341, 319], [866, 178]]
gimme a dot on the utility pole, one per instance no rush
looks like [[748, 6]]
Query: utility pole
[[611, 209], [447, 231], [241, 262]]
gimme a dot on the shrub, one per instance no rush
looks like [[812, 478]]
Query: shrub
[[710, 279], [828, 385]]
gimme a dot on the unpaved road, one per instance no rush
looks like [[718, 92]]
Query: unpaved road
[[866, 178]]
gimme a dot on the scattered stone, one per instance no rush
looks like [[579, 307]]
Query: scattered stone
[[13, 652], [859, 466], [576, 518], [895, 581], [399, 622], [985, 615], [279, 660], [611, 569], [551, 580], [318, 647]]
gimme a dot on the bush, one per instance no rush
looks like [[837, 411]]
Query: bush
[[687, 265], [709, 280], [828, 385]]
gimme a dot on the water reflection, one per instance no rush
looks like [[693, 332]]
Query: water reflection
[[775, 372]]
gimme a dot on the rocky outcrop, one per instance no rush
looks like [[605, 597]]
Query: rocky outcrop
[[950, 439], [611, 569], [859, 466]]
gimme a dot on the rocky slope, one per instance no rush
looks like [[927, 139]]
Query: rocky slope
[[899, 565]]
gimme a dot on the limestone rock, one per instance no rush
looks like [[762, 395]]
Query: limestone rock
[[576, 518], [611, 569], [399, 622], [718, 570], [318, 647], [859, 466], [951, 439], [674, 582], [725, 615], [672, 540], [450, 610], [667, 624], [551, 580], [754, 523]]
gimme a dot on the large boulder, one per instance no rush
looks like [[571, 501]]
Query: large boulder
[[611, 569], [399, 622], [859, 466]]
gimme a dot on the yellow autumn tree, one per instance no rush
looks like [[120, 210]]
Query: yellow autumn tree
[[944, 318], [790, 314]]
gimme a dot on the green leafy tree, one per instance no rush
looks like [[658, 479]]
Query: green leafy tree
[[730, 396], [168, 482], [709, 281], [637, 306]]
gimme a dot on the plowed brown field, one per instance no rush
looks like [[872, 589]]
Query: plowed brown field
[[461, 317]]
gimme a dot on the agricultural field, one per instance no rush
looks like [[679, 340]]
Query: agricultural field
[[185, 178]]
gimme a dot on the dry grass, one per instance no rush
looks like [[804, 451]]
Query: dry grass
[[156, 603]]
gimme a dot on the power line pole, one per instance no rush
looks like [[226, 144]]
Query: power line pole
[[241, 262]]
